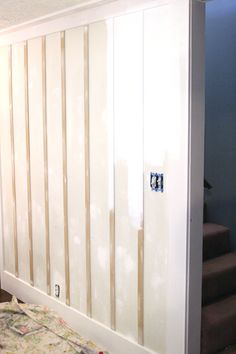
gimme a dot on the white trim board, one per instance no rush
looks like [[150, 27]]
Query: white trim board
[[76, 18], [54, 15], [109, 340], [1, 229]]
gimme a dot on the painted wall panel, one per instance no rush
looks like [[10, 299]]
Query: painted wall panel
[[137, 111], [101, 163], [165, 151], [128, 110], [55, 175], [20, 158], [75, 163], [6, 171], [37, 161]]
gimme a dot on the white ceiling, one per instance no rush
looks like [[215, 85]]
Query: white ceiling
[[15, 12]]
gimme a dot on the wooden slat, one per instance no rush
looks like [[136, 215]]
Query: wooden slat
[[112, 270], [87, 170], [140, 286], [141, 230], [29, 194], [13, 163], [45, 153], [64, 154]]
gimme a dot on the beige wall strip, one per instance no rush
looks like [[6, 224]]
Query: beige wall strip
[[45, 153], [13, 163], [112, 270], [87, 169], [140, 286], [27, 132], [64, 154]]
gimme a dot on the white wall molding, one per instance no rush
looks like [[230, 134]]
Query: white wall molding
[[55, 15], [1, 228], [75, 17], [87, 327]]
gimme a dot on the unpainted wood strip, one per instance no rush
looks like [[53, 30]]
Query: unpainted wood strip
[[29, 189], [45, 154], [112, 270], [112, 211], [15, 240], [64, 155], [87, 170], [141, 231], [141, 286]]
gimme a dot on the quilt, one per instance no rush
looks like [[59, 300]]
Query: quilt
[[35, 329]]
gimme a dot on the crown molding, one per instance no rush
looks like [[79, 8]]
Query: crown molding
[[89, 4], [93, 11]]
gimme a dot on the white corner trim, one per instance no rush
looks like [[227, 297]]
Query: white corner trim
[[109, 340], [196, 175]]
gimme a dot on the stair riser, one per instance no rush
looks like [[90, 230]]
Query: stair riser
[[216, 338], [216, 246], [215, 240], [218, 285]]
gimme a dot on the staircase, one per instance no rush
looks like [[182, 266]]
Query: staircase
[[218, 292]]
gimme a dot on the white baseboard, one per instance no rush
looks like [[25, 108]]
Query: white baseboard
[[109, 340]]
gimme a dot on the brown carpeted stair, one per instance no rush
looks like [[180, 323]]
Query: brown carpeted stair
[[229, 350], [215, 240], [218, 292]]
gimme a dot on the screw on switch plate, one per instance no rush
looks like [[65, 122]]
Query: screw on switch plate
[[57, 290], [157, 182]]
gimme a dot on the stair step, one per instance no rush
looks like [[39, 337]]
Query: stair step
[[215, 240], [219, 277], [229, 350], [218, 325]]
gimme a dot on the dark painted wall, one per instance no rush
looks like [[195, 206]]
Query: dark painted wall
[[220, 138]]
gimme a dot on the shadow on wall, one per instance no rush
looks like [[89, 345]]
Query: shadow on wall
[[220, 134]]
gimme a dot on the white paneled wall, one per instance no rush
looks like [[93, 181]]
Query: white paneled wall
[[120, 107]]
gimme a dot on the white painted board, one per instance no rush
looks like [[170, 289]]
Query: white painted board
[[6, 166], [55, 173], [165, 151], [37, 160], [18, 86], [74, 41], [128, 111], [101, 163]]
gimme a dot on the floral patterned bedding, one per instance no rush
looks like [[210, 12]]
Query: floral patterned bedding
[[35, 329]]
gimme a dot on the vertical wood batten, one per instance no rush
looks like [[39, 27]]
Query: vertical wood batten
[[87, 170], [64, 154], [45, 152], [141, 231], [112, 215], [13, 163], [112, 270], [29, 194], [140, 286]]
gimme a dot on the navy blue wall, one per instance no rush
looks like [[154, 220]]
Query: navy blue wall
[[220, 141]]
